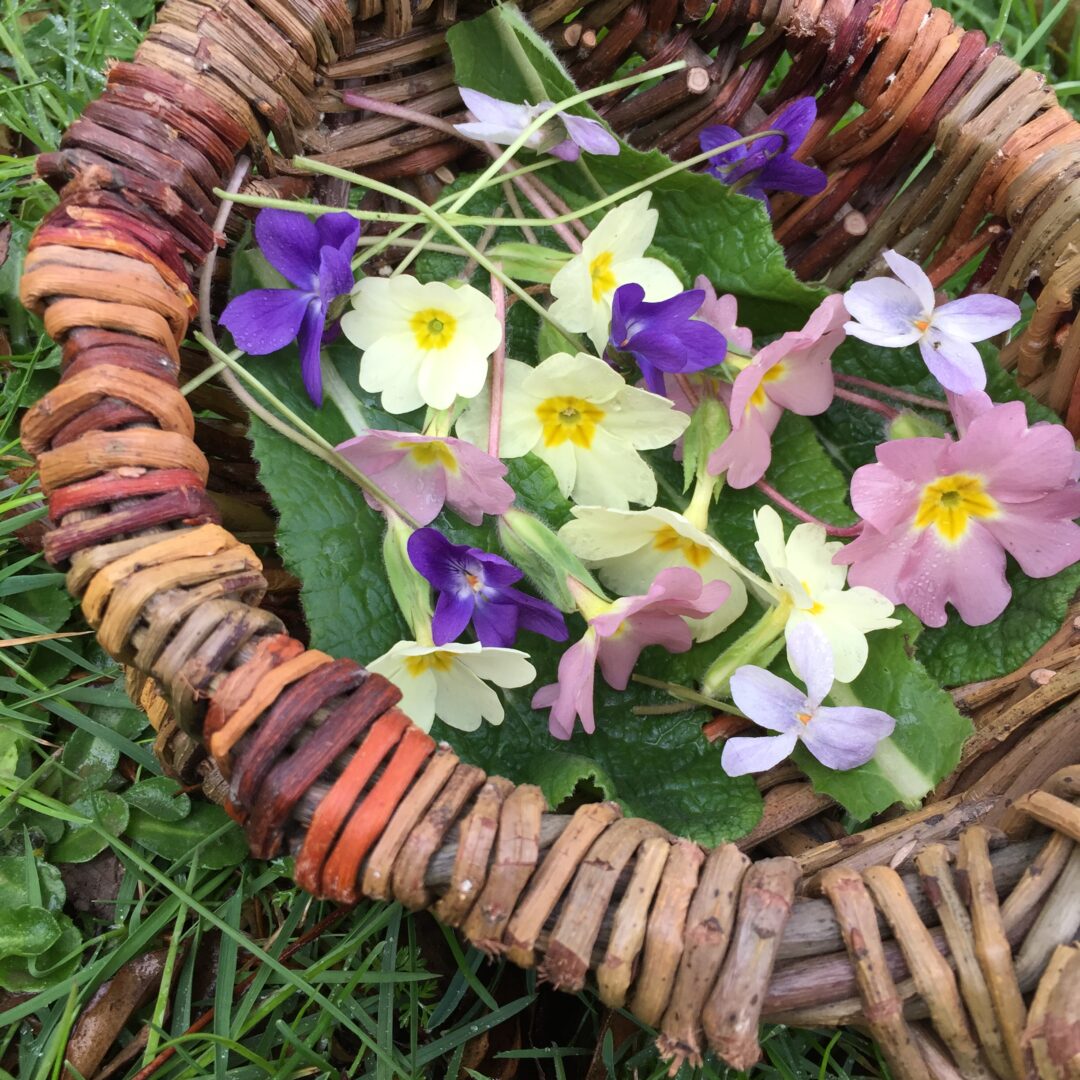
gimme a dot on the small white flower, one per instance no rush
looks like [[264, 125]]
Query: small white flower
[[803, 569], [612, 255], [451, 681], [423, 344], [629, 548], [579, 416]]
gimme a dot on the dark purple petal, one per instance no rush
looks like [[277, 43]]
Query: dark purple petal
[[539, 616], [265, 320], [437, 559], [498, 573], [784, 174], [796, 120], [495, 623], [310, 339], [290, 242], [452, 614], [339, 231], [721, 135], [335, 276], [624, 306]]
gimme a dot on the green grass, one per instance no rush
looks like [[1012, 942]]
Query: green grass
[[104, 861]]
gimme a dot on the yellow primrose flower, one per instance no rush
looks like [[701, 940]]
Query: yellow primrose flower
[[612, 255], [451, 681], [578, 415], [804, 571], [423, 344], [628, 548]]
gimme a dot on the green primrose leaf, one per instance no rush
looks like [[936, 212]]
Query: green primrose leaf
[[27, 931], [17, 889]]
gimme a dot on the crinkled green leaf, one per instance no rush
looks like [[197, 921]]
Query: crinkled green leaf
[[27, 930], [91, 759], [703, 224], [159, 797], [924, 747], [82, 842], [177, 840], [955, 653]]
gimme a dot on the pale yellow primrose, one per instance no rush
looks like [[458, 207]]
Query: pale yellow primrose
[[612, 255], [451, 681], [628, 548], [579, 416], [803, 570], [423, 344]]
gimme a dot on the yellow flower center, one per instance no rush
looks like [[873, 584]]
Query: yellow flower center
[[603, 280], [426, 454], [804, 717], [667, 539], [433, 328], [816, 607], [570, 419], [948, 503], [921, 325], [437, 661]]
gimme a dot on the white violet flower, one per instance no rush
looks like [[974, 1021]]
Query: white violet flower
[[580, 417], [451, 681], [803, 570], [628, 548], [612, 255], [423, 344]]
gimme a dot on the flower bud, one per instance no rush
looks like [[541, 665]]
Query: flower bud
[[528, 262], [709, 427], [545, 559], [909, 425], [410, 590]]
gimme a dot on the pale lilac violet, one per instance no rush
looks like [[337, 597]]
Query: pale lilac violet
[[476, 586], [617, 635], [564, 136], [940, 514], [423, 473], [897, 311], [840, 738], [315, 256], [768, 163], [794, 372], [663, 336]]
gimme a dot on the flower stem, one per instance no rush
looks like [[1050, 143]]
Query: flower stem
[[630, 189], [869, 403], [409, 220], [892, 392], [797, 511], [347, 402], [697, 510], [303, 434], [441, 222], [685, 693], [753, 646], [498, 369]]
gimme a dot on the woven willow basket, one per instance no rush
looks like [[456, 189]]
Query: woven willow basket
[[960, 965]]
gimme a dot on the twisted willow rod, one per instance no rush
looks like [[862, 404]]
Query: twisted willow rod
[[310, 753]]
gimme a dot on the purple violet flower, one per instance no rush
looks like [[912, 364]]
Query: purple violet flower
[[316, 257], [565, 136], [902, 310], [768, 163], [474, 586], [664, 336], [840, 738]]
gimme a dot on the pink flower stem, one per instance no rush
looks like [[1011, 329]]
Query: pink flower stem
[[498, 368], [868, 403], [889, 391], [557, 202], [401, 112], [527, 188], [803, 515]]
